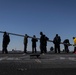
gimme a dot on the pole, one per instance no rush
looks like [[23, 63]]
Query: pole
[[32, 37]]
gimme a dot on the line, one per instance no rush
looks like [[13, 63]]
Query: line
[[3, 58], [37, 60]]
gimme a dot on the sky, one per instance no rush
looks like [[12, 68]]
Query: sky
[[32, 16]]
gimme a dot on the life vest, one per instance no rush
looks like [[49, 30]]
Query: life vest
[[74, 41]]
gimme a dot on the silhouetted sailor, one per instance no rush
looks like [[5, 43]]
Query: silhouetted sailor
[[6, 40], [45, 43], [66, 44], [74, 39], [42, 42], [25, 43], [56, 42], [34, 40]]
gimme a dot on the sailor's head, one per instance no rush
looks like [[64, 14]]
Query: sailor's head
[[5, 33], [73, 37], [41, 33], [34, 36], [56, 34], [25, 34]]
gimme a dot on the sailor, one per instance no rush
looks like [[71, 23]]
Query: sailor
[[6, 40], [34, 40], [56, 42], [66, 44], [25, 43], [74, 39]]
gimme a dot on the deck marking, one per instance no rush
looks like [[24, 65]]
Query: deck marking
[[38, 61]]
